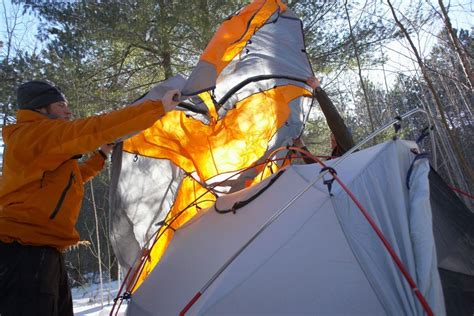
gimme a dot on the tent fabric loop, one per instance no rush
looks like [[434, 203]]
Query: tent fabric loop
[[167, 225], [277, 16], [424, 133], [397, 126], [192, 108], [247, 81], [241, 204], [125, 296], [410, 170], [329, 182], [217, 107]]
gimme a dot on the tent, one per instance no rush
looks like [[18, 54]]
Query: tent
[[319, 256], [249, 96]]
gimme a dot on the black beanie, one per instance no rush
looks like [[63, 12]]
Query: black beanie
[[37, 94]]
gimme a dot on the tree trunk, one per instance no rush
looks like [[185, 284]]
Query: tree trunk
[[165, 49]]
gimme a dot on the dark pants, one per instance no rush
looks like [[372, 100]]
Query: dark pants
[[33, 281]]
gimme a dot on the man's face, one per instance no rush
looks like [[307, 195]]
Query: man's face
[[60, 109]]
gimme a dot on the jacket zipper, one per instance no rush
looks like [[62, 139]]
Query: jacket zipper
[[62, 197]]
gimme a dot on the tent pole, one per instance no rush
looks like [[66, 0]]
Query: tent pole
[[287, 205]]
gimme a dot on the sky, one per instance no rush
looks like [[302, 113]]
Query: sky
[[398, 52], [25, 27]]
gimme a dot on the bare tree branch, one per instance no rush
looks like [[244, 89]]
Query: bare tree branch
[[452, 136]]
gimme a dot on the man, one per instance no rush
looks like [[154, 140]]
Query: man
[[341, 138], [42, 188]]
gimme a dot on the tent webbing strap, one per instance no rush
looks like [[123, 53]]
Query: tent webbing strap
[[410, 170], [241, 204]]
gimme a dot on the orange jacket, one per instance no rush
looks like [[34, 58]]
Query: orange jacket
[[41, 189]]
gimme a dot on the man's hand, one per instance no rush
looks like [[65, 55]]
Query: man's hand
[[171, 99], [313, 82], [106, 149]]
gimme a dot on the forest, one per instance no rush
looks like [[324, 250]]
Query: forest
[[376, 59]]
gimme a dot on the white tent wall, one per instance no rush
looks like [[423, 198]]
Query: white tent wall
[[319, 257], [421, 232], [297, 265], [200, 248], [403, 215]]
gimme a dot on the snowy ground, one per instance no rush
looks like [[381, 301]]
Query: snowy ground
[[87, 300]]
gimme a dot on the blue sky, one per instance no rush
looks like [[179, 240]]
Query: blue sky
[[400, 56], [25, 28]]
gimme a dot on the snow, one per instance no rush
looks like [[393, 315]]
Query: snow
[[86, 299]]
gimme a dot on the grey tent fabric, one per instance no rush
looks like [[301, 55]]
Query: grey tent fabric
[[142, 191], [203, 78], [275, 52], [275, 55], [453, 226], [458, 291], [319, 257]]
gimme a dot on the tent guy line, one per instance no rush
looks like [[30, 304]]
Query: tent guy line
[[130, 282], [379, 233]]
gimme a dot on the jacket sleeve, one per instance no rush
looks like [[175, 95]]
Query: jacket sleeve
[[91, 167], [85, 135], [336, 123]]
